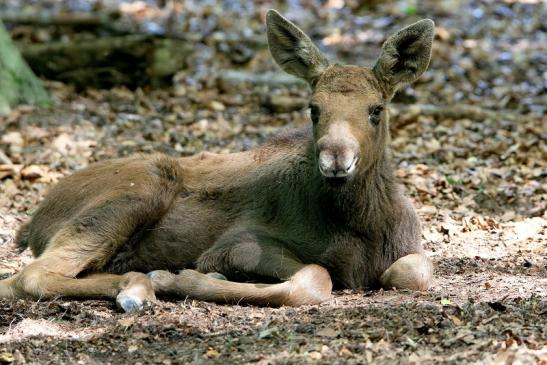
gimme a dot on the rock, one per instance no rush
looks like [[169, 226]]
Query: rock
[[231, 79], [216, 106]]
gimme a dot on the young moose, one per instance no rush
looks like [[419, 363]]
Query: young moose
[[311, 206]]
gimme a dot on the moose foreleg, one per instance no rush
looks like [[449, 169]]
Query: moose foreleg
[[309, 285], [57, 272], [414, 271], [254, 254]]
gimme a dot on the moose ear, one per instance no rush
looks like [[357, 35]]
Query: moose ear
[[293, 50], [405, 55]]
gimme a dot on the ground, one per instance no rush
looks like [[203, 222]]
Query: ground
[[477, 181]]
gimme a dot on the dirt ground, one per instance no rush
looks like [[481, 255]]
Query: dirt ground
[[477, 182], [485, 307]]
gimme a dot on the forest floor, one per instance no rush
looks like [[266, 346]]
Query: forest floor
[[477, 182]]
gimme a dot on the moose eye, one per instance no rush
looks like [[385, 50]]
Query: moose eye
[[314, 113], [375, 112]]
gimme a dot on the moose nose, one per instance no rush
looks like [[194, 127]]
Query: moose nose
[[334, 165], [338, 151]]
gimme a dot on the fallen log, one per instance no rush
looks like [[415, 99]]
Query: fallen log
[[131, 60], [406, 114], [401, 114], [60, 19]]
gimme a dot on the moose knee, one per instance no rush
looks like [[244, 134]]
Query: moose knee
[[31, 282], [310, 285], [413, 271], [6, 290], [163, 282]]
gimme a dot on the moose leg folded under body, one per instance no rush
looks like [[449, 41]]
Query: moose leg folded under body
[[310, 285], [254, 255]]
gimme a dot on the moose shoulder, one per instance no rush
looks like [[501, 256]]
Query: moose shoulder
[[311, 207]]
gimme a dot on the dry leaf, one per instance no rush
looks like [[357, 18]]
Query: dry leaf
[[212, 353], [13, 138], [10, 171], [33, 172], [328, 332], [126, 322]]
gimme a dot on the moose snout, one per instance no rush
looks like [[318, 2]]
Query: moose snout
[[338, 159]]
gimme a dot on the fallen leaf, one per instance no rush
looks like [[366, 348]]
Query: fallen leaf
[[455, 320], [267, 333], [13, 138], [445, 301], [6, 357], [316, 355], [126, 322], [212, 353], [328, 332], [32, 172], [9, 171]]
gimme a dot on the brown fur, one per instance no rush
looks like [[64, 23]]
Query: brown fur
[[266, 213]]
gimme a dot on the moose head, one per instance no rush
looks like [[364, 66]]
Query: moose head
[[348, 103]]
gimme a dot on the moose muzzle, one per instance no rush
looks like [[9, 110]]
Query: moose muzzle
[[338, 154]]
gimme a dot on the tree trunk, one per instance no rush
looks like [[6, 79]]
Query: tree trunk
[[18, 84]]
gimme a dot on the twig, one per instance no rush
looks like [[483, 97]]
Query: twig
[[5, 159]]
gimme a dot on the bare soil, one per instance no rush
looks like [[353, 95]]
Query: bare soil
[[482, 308]]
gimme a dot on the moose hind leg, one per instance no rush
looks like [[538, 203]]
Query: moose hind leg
[[6, 291], [86, 244], [51, 276], [414, 271]]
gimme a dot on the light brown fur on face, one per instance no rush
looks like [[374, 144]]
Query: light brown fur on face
[[312, 208], [344, 95]]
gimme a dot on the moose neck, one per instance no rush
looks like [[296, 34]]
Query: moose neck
[[366, 202]]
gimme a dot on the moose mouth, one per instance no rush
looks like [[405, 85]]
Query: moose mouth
[[340, 177]]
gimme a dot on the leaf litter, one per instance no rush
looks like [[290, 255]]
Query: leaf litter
[[478, 184]]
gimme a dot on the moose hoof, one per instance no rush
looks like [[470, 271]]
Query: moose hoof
[[133, 301], [162, 281], [216, 275], [129, 303], [137, 292]]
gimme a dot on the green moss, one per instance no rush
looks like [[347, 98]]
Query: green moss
[[18, 84]]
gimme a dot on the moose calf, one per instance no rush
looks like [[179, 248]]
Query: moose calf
[[312, 207]]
